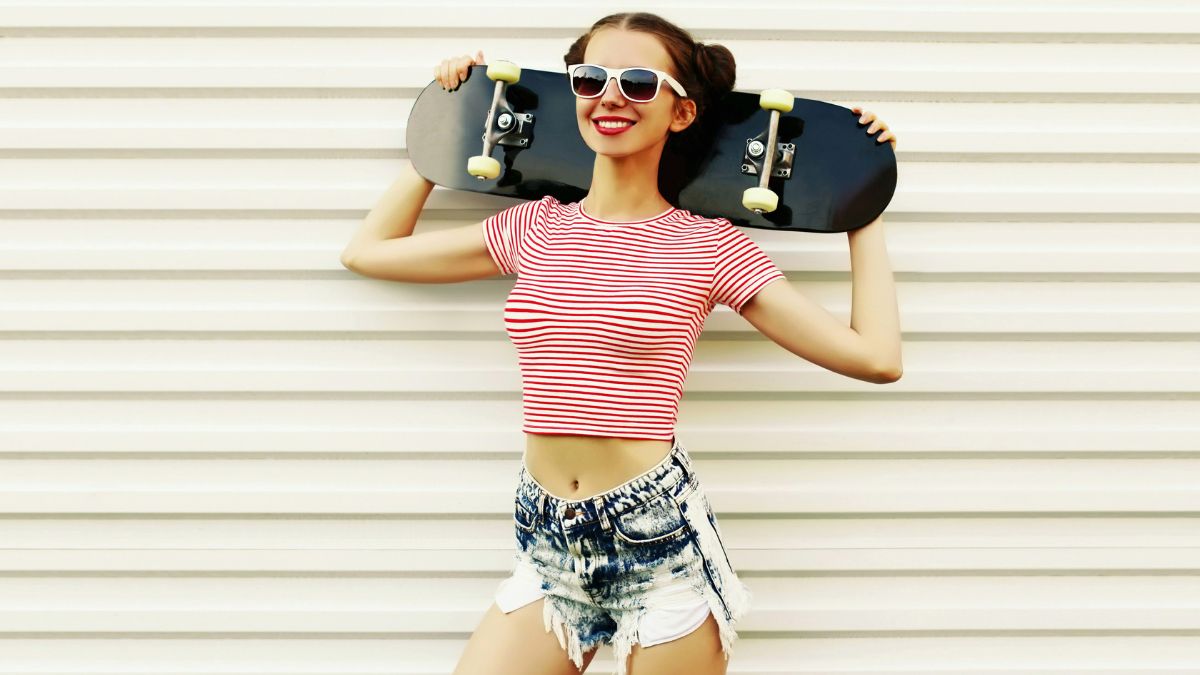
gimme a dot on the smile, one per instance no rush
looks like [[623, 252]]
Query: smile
[[611, 128]]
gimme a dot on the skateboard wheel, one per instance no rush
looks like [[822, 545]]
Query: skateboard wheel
[[504, 70], [760, 200], [776, 99], [483, 167]]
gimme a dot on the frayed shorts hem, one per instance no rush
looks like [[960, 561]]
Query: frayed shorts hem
[[660, 625]]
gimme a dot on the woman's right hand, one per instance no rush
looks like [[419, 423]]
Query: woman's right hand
[[451, 72]]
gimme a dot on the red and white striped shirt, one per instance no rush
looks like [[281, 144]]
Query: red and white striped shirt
[[604, 315]]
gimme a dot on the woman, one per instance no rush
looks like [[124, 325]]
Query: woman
[[616, 540]]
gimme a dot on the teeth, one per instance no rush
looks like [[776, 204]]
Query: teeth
[[613, 125]]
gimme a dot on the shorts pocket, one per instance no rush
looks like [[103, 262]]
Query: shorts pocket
[[657, 520], [524, 515]]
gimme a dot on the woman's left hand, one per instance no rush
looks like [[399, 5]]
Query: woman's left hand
[[867, 116]]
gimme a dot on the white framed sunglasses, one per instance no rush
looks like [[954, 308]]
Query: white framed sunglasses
[[638, 84]]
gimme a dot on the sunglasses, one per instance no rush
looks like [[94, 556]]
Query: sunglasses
[[639, 85]]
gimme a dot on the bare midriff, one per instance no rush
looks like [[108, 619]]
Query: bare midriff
[[577, 467]]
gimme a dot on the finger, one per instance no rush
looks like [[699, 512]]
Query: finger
[[463, 69], [455, 68], [873, 128]]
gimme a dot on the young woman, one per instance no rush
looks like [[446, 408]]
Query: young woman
[[616, 540]]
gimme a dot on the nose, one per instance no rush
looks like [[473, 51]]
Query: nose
[[612, 92]]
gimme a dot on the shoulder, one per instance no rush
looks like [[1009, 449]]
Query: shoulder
[[552, 206], [712, 225], [728, 232], [533, 212]]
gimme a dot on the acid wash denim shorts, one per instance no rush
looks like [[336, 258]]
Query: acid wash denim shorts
[[643, 562]]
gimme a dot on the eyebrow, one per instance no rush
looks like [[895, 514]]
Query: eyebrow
[[633, 65]]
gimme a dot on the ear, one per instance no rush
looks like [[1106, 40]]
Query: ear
[[685, 114]]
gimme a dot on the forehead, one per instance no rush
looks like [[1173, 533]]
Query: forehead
[[617, 48]]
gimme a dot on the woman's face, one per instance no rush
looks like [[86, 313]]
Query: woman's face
[[617, 48]]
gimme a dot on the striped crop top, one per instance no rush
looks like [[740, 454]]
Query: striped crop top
[[604, 315]]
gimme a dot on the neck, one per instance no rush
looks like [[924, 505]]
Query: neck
[[626, 188]]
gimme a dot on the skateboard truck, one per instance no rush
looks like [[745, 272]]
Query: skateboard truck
[[752, 163], [760, 160], [502, 126]]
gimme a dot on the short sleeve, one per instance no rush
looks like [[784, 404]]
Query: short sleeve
[[742, 268], [505, 232]]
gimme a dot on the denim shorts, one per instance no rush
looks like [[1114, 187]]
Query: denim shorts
[[641, 563]]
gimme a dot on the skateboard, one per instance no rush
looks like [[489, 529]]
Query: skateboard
[[512, 132]]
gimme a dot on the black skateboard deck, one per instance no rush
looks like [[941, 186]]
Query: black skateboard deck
[[827, 174]]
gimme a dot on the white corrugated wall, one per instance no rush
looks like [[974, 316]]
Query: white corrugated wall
[[222, 452]]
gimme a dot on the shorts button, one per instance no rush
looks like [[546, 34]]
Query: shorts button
[[570, 513]]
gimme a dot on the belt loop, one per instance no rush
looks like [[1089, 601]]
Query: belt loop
[[541, 504], [684, 460], [599, 502]]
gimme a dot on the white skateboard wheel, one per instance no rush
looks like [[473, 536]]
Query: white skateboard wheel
[[760, 199], [776, 99], [504, 70], [483, 167]]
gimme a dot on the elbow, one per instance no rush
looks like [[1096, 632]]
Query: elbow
[[888, 374], [887, 366], [347, 260]]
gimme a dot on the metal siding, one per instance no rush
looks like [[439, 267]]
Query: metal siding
[[220, 451]]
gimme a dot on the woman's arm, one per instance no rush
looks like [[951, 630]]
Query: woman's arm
[[873, 311], [869, 348], [394, 215]]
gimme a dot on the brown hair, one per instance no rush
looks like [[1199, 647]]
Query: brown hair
[[706, 71]]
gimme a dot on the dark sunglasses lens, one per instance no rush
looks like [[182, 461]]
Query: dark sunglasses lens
[[639, 84], [587, 81]]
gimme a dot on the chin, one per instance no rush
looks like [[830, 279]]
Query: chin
[[608, 152]]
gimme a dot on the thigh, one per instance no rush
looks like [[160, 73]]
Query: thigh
[[516, 642], [697, 653]]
